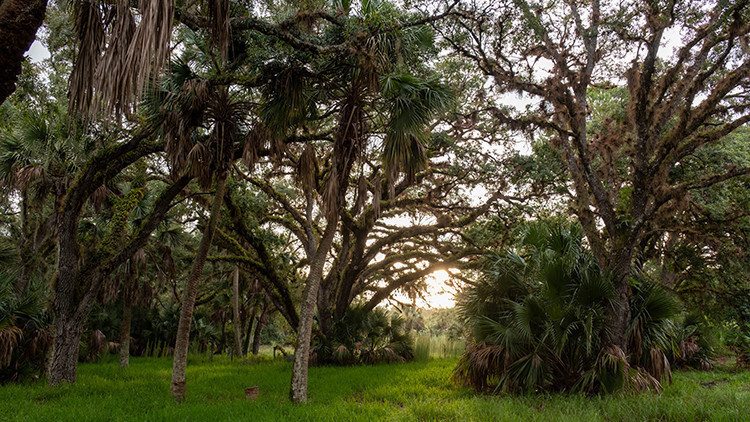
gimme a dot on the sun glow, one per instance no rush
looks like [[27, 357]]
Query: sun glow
[[440, 293]]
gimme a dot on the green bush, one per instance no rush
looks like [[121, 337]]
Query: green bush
[[368, 337], [25, 331], [738, 340], [537, 317]]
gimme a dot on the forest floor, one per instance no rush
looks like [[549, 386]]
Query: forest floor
[[416, 391]]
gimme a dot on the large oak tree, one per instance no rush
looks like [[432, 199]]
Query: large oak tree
[[556, 54]]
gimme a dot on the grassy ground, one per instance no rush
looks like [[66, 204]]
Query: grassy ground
[[413, 391]]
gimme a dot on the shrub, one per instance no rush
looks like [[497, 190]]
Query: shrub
[[25, 331], [739, 342], [368, 337], [536, 318]]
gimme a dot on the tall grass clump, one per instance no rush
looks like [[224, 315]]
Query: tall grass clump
[[422, 347]]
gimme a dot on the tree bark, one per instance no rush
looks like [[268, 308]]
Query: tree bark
[[325, 310], [19, 21], [191, 290], [298, 391], [127, 312], [249, 331], [262, 321], [70, 308], [65, 355], [236, 313], [618, 311]]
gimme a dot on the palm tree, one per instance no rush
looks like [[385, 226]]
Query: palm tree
[[25, 322], [130, 292], [185, 103], [236, 311], [537, 315], [37, 158], [374, 74]]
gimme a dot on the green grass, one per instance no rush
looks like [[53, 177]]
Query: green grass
[[408, 392]]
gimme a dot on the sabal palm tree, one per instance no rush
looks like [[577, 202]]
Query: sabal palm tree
[[25, 332], [130, 291], [37, 158], [370, 85], [201, 123], [538, 314]]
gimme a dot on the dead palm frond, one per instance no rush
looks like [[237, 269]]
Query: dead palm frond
[[113, 88], [307, 168], [482, 366], [136, 52], [91, 37], [9, 338]]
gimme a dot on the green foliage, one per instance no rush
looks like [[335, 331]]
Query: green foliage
[[428, 346], [739, 342], [412, 104], [25, 332], [537, 319], [363, 337], [696, 343]]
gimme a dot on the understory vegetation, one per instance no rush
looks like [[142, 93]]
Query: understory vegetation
[[536, 314]]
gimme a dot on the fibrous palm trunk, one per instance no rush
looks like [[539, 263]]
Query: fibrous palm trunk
[[191, 290]]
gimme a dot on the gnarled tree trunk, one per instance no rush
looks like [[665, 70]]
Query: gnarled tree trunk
[[191, 290], [65, 355], [19, 21], [618, 311]]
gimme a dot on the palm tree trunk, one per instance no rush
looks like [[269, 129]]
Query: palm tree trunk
[[191, 290], [298, 392], [236, 313], [127, 312]]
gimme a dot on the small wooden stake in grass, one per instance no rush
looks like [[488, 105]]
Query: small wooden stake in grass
[[252, 392]]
